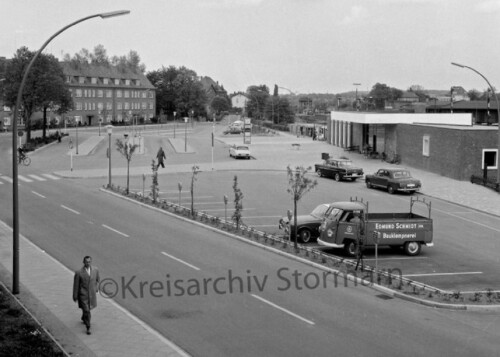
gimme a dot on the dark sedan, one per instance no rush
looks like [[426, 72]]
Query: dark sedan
[[307, 225], [339, 169], [393, 180]]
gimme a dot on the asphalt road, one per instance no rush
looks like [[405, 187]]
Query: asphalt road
[[267, 313]]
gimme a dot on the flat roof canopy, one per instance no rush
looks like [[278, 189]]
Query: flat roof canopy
[[403, 118]]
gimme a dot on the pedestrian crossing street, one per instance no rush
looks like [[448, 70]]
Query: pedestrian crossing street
[[28, 178]]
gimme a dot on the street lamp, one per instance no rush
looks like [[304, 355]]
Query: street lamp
[[109, 130], [498, 116], [356, 84], [175, 123], [15, 193]]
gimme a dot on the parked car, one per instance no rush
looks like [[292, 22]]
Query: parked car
[[307, 225], [239, 151], [339, 169], [393, 180]]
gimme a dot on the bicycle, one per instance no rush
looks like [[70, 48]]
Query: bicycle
[[25, 160]]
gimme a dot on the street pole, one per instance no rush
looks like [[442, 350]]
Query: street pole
[[76, 129], [109, 129], [175, 123], [498, 117], [185, 135], [356, 84], [15, 192]]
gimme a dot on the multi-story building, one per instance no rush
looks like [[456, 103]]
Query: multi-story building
[[106, 93]]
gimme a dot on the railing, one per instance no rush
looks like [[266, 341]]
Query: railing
[[487, 182]]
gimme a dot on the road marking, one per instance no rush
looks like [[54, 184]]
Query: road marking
[[7, 178], [25, 179], [404, 258], [69, 209], [116, 231], [39, 195], [52, 177], [181, 261], [229, 209], [436, 274], [263, 217], [465, 219], [38, 178], [283, 309]]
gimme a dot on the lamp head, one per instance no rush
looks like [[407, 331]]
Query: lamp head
[[107, 15], [109, 129], [458, 65]]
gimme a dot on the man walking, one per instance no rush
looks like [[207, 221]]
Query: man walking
[[85, 288], [160, 156], [360, 228]]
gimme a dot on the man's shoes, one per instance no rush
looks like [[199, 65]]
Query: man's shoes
[[88, 331]]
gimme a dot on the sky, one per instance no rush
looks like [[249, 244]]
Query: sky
[[302, 46]]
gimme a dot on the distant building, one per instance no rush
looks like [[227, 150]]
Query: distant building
[[239, 100], [305, 105], [106, 93]]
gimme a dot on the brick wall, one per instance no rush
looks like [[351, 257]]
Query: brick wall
[[455, 153]]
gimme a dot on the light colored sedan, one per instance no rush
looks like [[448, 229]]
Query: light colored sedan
[[239, 151]]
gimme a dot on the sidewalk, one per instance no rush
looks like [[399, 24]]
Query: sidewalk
[[277, 152], [116, 332]]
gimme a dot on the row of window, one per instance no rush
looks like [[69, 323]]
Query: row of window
[[105, 81], [109, 117], [109, 105], [100, 93]]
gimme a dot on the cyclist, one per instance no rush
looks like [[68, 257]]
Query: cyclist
[[22, 155]]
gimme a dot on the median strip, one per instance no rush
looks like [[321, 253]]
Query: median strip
[[180, 261], [283, 309], [437, 274]]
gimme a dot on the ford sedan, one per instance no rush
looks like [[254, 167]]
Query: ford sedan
[[239, 151]]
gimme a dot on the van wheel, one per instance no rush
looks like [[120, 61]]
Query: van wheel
[[337, 177], [305, 235], [412, 248], [350, 248]]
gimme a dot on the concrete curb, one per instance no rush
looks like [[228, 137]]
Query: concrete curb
[[356, 280]]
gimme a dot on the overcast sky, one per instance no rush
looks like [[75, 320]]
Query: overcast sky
[[306, 46]]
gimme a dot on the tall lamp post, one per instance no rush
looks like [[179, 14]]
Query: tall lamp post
[[15, 193], [175, 123], [109, 130], [356, 84], [498, 115]]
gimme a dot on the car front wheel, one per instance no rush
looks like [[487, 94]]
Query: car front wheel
[[305, 235], [368, 184], [318, 172], [391, 190], [350, 248], [337, 177]]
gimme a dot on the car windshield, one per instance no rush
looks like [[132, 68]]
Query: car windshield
[[345, 163], [242, 148], [319, 211], [334, 214], [401, 174]]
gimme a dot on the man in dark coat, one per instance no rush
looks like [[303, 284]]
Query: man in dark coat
[[160, 156], [85, 288]]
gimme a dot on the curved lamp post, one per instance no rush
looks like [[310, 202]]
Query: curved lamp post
[[15, 195], [498, 115]]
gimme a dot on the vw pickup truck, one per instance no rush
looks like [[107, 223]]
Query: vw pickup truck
[[406, 230]]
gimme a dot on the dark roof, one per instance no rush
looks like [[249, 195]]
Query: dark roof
[[104, 71], [466, 105]]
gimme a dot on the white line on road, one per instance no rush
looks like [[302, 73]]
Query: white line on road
[[7, 178], [69, 209], [181, 261], [116, 231], [39, 195], [52, 177], [435, 274], [465, 219], [283, 309], [412, 258], [38, 178], [25, 179]]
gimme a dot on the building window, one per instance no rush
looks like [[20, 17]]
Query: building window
[[81, 80], [78, 119], [93, 106], [151, 105], [93, 80], [426, 145], [109, 93], [118, 94], [100, 106], [144, 105], [137, 82], [78, 93], [68, 79], [119, 106], [151, 94], [109, 106], [108, 118], [490, 159], [126, 94], [117, 81], [100, 93], [144, 94], [127, 105], [93, 93], [78, 105], [119, 117], [105, 81], [127, 82]]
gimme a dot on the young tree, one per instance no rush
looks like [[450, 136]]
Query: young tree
[[220, 104], [154, 184], [127, 150], [196, 171], [258, 97], [298, 186], [238, 203]]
